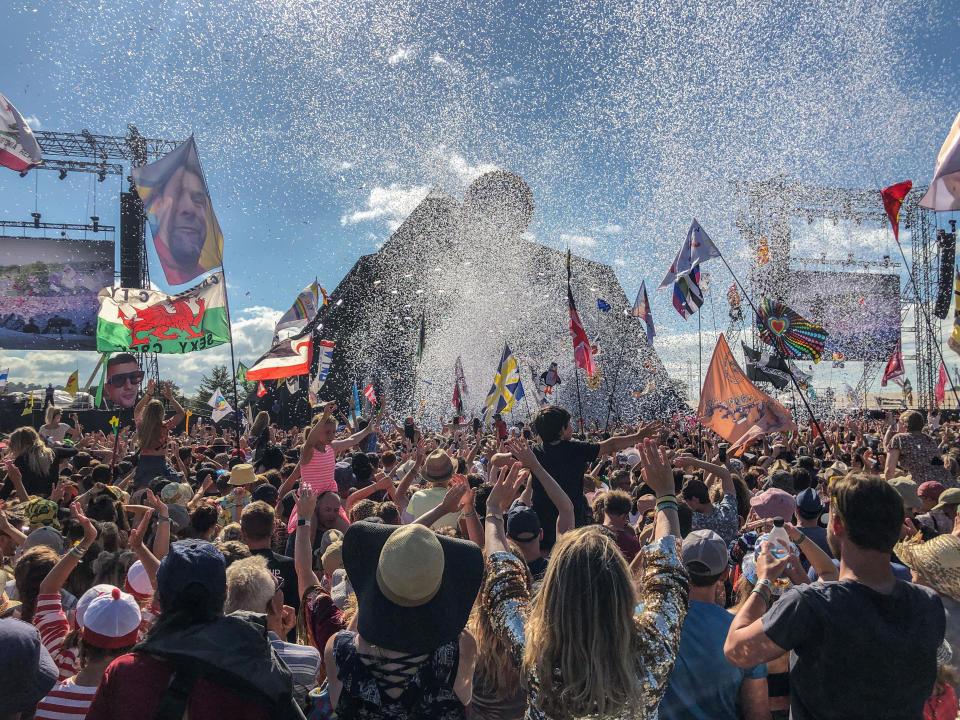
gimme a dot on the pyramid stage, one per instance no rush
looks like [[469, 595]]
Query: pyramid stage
[[467, 268]]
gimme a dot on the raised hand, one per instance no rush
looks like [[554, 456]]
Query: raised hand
[[157, 504], [451, 501], [656, 469], [306, 503], [135, 541], [150, 387], [520, 449], [505, 489], [89, 531], [167, 392]]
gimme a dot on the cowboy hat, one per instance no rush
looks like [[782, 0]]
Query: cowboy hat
[[937, 561], [414, 588], [439, 467], [242, 474]]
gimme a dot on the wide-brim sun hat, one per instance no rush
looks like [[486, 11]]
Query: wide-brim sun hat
[[937, 561], [415, 589], [438, 467]]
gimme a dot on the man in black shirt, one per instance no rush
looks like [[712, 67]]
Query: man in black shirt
[[864, 646], [256, 527], [567, 460]]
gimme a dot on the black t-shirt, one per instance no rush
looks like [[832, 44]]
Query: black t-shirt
[[566, 461], [858, 653], [283, 566], [537, 568]]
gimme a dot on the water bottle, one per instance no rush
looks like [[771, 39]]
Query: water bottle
[[780, 547]]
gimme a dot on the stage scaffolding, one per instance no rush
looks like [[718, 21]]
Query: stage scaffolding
[[766, 209]]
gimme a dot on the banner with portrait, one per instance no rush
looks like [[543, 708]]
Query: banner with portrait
[[48, 292], [185, 230]]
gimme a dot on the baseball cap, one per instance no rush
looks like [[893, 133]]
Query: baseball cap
[[809, 504], [112, 620], [705, 553], [930, 490], [523, 524], [267, 493], [138, 582], [88, 597], [948, 497], [774, 502], [27, 672], [188, 562], [45, 535]]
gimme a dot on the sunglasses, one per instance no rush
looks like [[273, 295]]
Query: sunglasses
[[278, 583], [121, 379]]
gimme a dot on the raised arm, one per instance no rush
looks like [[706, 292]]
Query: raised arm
[[726, 479], [59, 573], [349, 442], [178, 413], [313, 437], [161, 539], [615, 444], [520, 449], [747, 644], [135, 543], [504, 490], [303, 543], [449, 504], [142, 403]]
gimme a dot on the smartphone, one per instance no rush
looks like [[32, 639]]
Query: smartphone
[[722, 451]]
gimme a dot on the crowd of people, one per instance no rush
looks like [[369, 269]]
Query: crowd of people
[[368, 568]]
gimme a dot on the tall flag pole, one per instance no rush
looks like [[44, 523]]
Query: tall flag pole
[[579, 335], [641, 309], [894, 368], [893, 192]]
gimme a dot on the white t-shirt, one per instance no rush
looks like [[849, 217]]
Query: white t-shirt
[[424, 501], [57, 433]]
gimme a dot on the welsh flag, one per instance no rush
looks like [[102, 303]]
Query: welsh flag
[[134, 320], [18, 147]]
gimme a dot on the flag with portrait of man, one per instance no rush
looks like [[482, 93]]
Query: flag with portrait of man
[[185, 230], [506, 388]]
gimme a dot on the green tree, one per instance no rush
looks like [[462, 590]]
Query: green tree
[[218, 377]]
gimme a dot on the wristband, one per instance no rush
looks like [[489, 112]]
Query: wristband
[[671, 498], [667, 505], [472, 513], [303, 523], [77, 551], [164, 518], [494, 516], [768, 584], [799, 541], [765, 594]]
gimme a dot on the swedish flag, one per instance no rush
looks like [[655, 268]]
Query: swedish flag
[[506, 388]]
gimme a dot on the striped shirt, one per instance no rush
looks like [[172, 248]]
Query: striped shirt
[[66, 701], [304, 663], [51, 622], [318, 476]]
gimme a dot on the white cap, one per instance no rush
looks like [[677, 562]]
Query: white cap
[[138, 582], [112, 620], [88, 597]]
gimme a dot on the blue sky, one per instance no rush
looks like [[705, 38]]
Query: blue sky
[[320, 125]]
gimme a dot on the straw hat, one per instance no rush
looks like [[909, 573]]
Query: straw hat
[[242, 474], [439, 467], [414, 588], [937, 561]]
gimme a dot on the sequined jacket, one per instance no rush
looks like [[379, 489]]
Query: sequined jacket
[[663, 598]]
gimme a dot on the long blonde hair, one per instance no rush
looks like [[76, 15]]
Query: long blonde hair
[[25, 441], [52, 412], [150, 428], [581, 626]]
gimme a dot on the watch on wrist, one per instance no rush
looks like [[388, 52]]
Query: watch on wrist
[[302, 522]]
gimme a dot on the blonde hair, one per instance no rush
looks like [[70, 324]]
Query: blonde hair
[[52, 411], [307, 452], [150, 428], [250, 585], [260, 423], [581, 640], [25, 441]]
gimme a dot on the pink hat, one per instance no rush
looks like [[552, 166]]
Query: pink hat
[[930, 490], [774, 502], [112, 620], [138, 582]]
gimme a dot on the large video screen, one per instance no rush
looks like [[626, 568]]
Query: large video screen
[[861, 311], [48, 292]]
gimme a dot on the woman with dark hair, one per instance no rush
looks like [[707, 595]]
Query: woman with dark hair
[[195, 661]]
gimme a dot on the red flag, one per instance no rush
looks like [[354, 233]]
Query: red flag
[[582, 351], [261, 390], [894, 367], [457, 401], [892, 199], [940, 390], [370, 395]]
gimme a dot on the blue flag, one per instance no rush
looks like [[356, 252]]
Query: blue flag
[[506, 388], [356, 398], [602, 304]]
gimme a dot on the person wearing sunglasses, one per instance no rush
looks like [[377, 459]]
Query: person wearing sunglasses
[[123, 381]]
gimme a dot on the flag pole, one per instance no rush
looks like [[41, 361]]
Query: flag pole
[[576, 372], [803, 397]]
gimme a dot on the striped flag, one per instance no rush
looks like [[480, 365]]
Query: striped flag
[[304, 308], [687, 297], [370, 395], [641, 309], [261, 389], [285, 359]]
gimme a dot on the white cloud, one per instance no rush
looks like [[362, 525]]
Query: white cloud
[[402, 53], [34, 122], [438, 59], [608, 229], [578, 242], [619, 262], [464, 171], [346, 165], [506, 81], [392, 204]]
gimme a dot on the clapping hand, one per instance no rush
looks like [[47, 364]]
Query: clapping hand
[[505, 489], [656, 469]]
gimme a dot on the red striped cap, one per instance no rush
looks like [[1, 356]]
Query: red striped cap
[[112, 620]]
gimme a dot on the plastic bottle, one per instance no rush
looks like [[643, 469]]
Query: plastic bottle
[[778, 533]]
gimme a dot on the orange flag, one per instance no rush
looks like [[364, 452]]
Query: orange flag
[[733, 407]]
